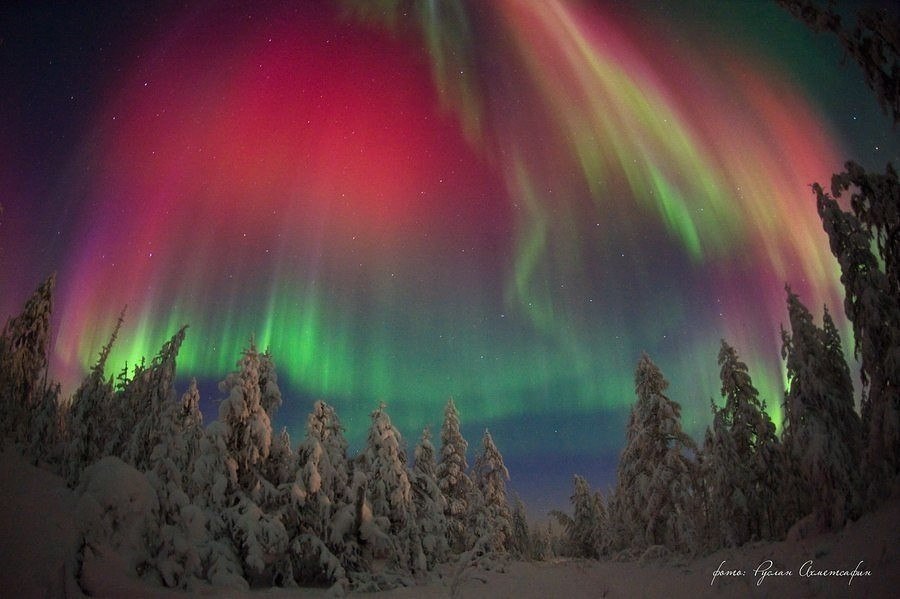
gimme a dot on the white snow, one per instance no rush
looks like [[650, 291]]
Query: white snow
[[39, 538]]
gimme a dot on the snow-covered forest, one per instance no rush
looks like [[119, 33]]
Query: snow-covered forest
[[235, 504]]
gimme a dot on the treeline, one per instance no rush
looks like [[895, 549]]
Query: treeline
[[235, 504], [745, 483]]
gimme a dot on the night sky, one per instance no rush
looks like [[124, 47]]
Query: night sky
[[504, 202]]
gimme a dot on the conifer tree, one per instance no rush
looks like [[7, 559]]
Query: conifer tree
[[47, 427], [875, 313], [521, 543], [88, 425], [246, 541], [325, 528], [389, 491], [126, 409], [268, 384], [583, 530], [453, 479], [24, 351], [249, 429], [587, 519], [429, 503], [190, 422], [152, 397], [490, 476], [324, 463], [653, 501], [717, 499], [872, 42], [822, 431], [752, 458], [179, 534], [213, 487]]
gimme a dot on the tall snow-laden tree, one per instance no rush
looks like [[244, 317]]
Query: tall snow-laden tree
[[429, 503], [152, 396], [390, 492], [453, 479], [190, 423], [324, 464], [47, 427], [714, 463], [268, 384], [752, 458], [248, 427], [822, 430], [874, 310], [180, 531], [24, 351], [653, 501], [325, 528], [88, 420], [213, 487], [583, 530], [521, 543], [490, 476], [246, 542]]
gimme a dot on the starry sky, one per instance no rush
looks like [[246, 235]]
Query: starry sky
[[504, 202]]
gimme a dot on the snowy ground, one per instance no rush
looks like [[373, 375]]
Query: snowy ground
[[37, 540]]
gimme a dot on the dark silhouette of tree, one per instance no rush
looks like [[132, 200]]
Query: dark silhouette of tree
[[875, 313], [822, 431], [584, 528], [744, 461], [873, 42], [89, 420], [24, 350]]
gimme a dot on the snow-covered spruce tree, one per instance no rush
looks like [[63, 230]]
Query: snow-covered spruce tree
[[244, 542], [429, 503], [281, 466], [152, 396], [323, 463], [125, 409], [653, 502], [88, 424], [453, 480], [390, 493], [875, 201], [714, 463], [325, 526], [174, 551], [541, 542], [283, 496], [213, 488], [521, 544], [268, 384], [190, 421], [490, 476], [588, 515], [249, 429], [750, 488], [47, 426], [822, 431], [24, 345], [875, 313]]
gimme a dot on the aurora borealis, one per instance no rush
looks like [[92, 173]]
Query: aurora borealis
[[504, 202]]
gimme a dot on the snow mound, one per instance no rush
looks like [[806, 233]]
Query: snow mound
[[116, 510]]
